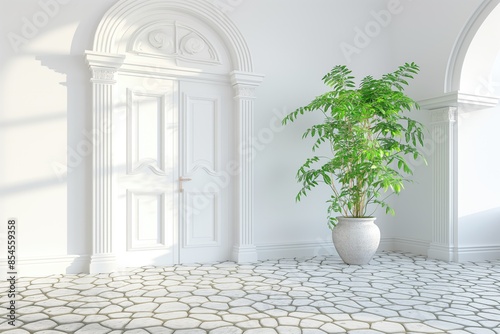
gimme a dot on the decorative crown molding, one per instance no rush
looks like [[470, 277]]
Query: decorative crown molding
[[463, 101], [99, 59], [246, 78]]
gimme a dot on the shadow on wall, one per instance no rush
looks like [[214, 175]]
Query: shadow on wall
[[76, 171]]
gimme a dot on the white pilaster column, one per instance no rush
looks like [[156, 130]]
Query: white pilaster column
[[103, 67], [444, 164], [445, 112], [244, 85]]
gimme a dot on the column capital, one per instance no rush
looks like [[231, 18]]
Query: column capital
[[103, 75], [245, 84], [444, 115], [244, 92], [103, 66]]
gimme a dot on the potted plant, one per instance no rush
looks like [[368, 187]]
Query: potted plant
[[371, 139]]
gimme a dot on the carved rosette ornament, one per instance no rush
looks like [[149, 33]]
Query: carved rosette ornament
[[192, 44], [175, 41], [162, 40]]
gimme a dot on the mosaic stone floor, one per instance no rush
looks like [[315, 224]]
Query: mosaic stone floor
[[396, 293]]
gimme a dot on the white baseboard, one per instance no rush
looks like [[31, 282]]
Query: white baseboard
[[464, 253], [413, 246], [441, 252], [386, 244], [244, 254], [48, 265], [320, 247], [478, 253], [323, 247], [75, 264]]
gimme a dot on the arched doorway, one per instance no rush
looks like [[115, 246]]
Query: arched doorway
[[478, 184], [173, 91], [461, 74], [456, 118]]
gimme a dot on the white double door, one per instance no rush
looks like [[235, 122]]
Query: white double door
[[171, 187]]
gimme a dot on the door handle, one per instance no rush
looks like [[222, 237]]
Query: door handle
[[181, 180]]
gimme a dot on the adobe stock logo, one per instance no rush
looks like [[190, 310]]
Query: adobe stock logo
[[372, 29], [31, 26]]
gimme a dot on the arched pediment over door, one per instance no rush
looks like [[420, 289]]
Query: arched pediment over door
[[150, 58]]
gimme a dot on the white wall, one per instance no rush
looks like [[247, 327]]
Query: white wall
[[478, 195], [45, 112], [478, 136], [480, 73], [478, 181], [426, 33], [294, 44]]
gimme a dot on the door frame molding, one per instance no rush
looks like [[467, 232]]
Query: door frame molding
[[106, 58]]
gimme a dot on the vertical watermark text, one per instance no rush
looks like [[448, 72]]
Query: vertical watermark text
[[11, 270]]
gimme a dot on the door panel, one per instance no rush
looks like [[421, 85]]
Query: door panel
[[171, 191], [205, 204], [201, 132], [145, 121], [146, 220], [202, 218], [145, 162]]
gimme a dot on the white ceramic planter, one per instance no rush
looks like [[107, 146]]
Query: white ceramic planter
[[356, 239]]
